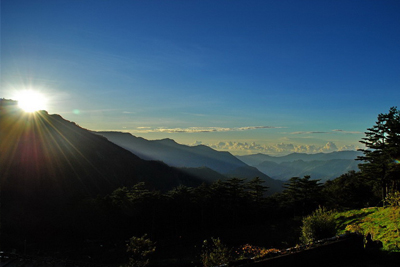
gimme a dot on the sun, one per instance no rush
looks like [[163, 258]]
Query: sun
[[31, 101]]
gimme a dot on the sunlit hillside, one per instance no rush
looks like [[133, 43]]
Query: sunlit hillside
[[382, 223]]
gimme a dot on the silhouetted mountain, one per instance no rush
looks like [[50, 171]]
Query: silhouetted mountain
[[204, 173], [48, 163], [57, 153]]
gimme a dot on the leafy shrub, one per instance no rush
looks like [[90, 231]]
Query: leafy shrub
[[354, 228], [393, 199], [254, 252], [215, 253], [140, 248], [320, 224]]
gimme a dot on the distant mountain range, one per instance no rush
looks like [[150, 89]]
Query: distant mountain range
[[182, 156], [174, 154], [324, 166], [256, 159]]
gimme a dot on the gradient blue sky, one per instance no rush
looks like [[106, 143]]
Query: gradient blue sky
[[244, 76]]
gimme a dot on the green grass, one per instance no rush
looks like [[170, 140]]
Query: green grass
[[382, 223]]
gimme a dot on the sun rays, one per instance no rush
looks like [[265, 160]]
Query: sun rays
[[31, 100], [39, 141]]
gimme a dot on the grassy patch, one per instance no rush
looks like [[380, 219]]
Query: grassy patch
[[382, 223]]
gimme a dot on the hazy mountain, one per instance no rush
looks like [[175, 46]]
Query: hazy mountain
[[324, 166], [317, 169], [256, 159], [204, 173], [174, 154]]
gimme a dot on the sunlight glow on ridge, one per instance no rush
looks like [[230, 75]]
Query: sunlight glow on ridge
[[31, 101]]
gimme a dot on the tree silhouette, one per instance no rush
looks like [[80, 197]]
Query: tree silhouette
[[303, 194], [348, 191], [256, 189]]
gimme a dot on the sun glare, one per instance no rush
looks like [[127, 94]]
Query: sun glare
[[31, 101]]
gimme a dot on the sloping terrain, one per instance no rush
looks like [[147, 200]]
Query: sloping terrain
[[50, 165], [383, 223], [204, 173], [47, 153]]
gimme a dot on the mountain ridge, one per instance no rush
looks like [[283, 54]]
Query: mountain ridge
[[183, 156], [44, 146], [323, 166]]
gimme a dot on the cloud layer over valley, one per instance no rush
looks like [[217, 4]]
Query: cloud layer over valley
[[275, 149], [288, 143]]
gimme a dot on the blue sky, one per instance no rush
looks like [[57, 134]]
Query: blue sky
[[245, 76]]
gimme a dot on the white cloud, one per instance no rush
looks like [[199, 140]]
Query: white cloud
[[196, 143], [349, 147], [201, 129], [329, 132], [276, 149], [310, 132], [329, 147], [346, 132]]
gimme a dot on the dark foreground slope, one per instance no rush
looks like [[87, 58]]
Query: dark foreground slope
[[48, 165]]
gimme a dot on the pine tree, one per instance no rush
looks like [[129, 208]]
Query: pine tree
[[380, 159], [235, 188], [236, 196], [256, 189], [303, 194]]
